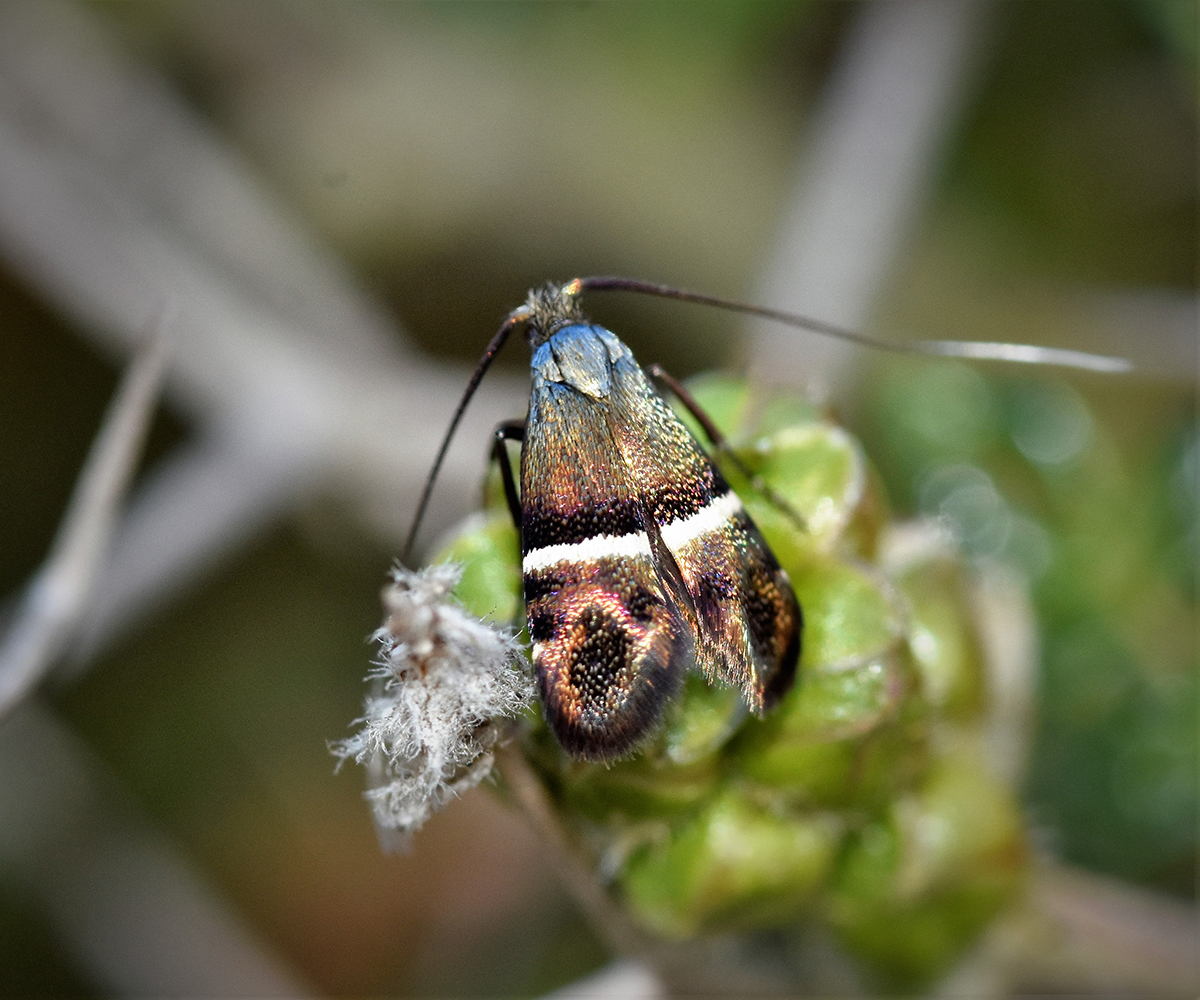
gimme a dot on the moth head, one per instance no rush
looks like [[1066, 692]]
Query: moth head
[[550, 308]]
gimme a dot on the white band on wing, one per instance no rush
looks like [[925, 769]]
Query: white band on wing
[[675, 535], [678, 533], [598, 547]]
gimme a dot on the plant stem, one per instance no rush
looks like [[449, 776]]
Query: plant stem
[[602, 913]]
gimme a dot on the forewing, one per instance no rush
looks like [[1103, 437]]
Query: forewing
[[738, 598], [609, 643]]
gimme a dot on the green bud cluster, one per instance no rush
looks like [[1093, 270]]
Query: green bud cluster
[[863, 802]]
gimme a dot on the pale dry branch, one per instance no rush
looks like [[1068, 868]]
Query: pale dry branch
[[48, 616], [866, 169], [113, 196], [607, 919], [1079, 933]]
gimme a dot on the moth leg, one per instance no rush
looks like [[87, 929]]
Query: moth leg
[[510, 430], [721, 444]]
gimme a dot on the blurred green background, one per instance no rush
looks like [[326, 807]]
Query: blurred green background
[[455, 154]]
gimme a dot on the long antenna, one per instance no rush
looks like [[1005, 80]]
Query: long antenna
[[979, 350], [515, 318]]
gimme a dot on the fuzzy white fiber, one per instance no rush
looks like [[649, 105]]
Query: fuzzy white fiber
[[441, 677]]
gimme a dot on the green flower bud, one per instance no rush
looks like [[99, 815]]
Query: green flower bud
[[702, 721], [819, 469], [850, 614], [724, 821], [943, 637], [913, 889], [818, 747], [486, 547], [637, 789], [735, 865]]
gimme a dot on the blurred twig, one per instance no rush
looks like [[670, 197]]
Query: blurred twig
[[114, 196], [870, 157], [606, 918], [1080, 933], [48, 616], [1109, 936]]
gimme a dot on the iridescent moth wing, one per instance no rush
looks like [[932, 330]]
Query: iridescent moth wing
[[744, 610], [638, 559], [610, 645]]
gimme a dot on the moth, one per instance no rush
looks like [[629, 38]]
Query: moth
[[638, 560]]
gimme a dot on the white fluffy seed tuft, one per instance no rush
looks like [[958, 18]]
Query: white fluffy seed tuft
[[442, 677]]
